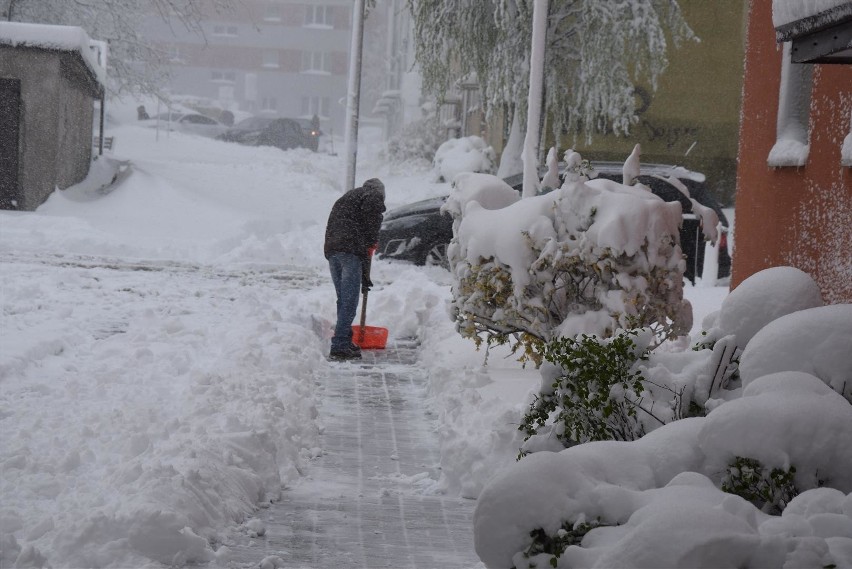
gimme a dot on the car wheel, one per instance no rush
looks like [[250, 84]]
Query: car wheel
[[436, 256]]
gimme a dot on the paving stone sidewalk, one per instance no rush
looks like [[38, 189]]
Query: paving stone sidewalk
[[365, 503]]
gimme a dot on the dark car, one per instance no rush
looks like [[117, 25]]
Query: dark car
[[420, 232], [282, 133]]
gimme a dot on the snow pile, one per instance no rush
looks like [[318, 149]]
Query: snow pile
[[160, 347], [781, 446], [468, 154]]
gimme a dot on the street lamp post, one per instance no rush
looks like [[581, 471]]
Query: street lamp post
[[354, 94]]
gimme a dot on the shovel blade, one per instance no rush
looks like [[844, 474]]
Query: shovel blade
[[370, 337]]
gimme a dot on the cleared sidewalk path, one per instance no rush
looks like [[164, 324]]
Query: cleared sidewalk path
[[365, 502]]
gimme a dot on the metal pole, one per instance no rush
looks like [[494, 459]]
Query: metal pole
[[534, 100], [354, 96]]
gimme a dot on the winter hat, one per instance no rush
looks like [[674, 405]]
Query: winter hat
[[375, 184]]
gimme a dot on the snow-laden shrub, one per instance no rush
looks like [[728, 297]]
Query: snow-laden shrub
[[468, 154], [760, 299], [591, 257], [597, 393], [769, 490], [417, 142], [657, 501], [615, 389], [763, 480], [817, 341], [764, 297]]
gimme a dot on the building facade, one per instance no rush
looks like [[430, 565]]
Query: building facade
[[794, 181], [264, 57]]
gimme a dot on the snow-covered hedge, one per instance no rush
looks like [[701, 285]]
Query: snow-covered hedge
[[467, 154], [417, 142], [763, 480], [590, 257]]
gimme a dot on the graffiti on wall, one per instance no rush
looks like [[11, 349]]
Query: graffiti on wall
[[670, 135]]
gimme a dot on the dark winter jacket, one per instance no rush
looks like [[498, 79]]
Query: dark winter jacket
[[355, 219]]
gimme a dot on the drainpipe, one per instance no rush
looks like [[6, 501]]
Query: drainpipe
[[101, 138]]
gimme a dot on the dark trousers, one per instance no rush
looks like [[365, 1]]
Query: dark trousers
[[346, 276]]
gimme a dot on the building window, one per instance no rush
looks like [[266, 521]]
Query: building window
[[268, 104], [794, 106], [273, 13], [318, 16], [174, 54], [223, 76], [315, 106], [270, 59], [223, 30], [846, 148], [316, 62]]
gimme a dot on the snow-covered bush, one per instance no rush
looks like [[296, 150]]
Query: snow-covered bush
[[815, 341], [468, 154], [769, 490], [417, 142], [763, 480], [596, 394], [591, 257]]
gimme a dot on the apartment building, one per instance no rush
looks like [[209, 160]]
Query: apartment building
[[264, 57]]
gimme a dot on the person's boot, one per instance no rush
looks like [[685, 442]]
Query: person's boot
[[345, 354]]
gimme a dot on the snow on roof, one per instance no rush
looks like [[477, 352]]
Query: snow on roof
[[787, 11], [60, 38]]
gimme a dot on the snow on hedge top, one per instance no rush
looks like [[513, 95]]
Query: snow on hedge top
[[765, 296], [623, 218], [788, 11], [59, 38], [468, 154]]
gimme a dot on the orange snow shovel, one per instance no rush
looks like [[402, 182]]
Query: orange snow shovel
[[368, 337]]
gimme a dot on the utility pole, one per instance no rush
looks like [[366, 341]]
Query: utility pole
[[353, 98]]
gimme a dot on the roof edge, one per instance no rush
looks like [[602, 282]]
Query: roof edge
[[839, 14]]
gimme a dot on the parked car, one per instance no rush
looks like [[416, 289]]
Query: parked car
[[312, 133], [191, 123], [282, 133], [420, 232]]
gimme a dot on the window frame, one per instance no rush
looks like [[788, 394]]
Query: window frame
[[313, 21], [309, 62], [223, 77], [316, 105], [225, 31], [270, 59], [272, 13]]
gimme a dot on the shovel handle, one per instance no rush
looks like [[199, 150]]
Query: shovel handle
[[362, 330]]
